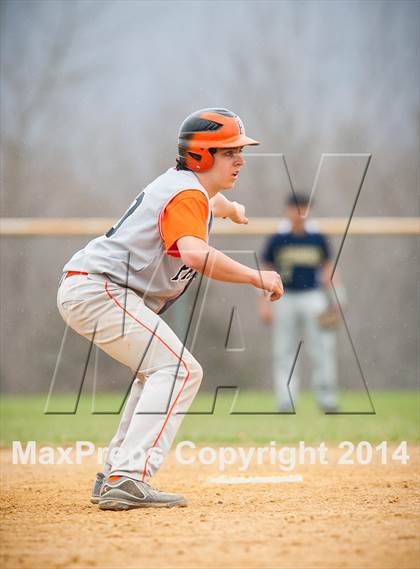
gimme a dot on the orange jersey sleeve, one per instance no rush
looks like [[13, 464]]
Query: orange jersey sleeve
[[185, 215]]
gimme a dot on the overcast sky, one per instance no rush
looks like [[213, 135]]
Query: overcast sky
[[299, 73]]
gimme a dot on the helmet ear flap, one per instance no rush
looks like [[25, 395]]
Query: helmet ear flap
[[199, 161]]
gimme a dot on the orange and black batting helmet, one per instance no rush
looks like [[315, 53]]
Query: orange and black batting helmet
[[207, 129]]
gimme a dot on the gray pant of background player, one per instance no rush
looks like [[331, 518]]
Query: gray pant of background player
[[296, 319]]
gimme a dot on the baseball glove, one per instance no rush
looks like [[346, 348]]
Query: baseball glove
[[329, 319]]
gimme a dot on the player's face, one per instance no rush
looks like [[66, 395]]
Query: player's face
[[226, 167], [297, 214]]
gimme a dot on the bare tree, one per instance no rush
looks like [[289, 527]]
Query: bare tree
[[30, 88]]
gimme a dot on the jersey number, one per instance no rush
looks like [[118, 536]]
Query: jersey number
[[129, 211]]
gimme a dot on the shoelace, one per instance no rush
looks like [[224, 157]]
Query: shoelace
[[150, 486]]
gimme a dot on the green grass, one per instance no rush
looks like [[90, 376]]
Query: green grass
[[396, 419]]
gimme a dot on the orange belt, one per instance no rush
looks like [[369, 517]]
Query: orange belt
[[71, 273]]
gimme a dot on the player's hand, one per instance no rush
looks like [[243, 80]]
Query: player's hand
[[270, 281], [238, 213]]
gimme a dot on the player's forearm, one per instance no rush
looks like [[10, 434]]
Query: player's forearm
[[326, 276], [216, 265], [198, 255]]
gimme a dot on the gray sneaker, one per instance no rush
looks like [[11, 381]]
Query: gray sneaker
[[97, 487], [125, 493]]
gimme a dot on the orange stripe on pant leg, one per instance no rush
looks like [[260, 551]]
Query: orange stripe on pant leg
[[172, 351]]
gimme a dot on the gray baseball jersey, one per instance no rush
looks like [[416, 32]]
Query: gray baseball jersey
[[132, 252]]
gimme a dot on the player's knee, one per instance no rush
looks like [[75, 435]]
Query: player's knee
[[196, 372]]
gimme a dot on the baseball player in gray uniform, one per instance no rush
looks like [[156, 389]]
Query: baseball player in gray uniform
[[115, 289]]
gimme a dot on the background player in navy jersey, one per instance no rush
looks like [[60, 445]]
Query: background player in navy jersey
[[301, 255]]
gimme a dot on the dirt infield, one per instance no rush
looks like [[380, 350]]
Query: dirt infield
[[339, 516]]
